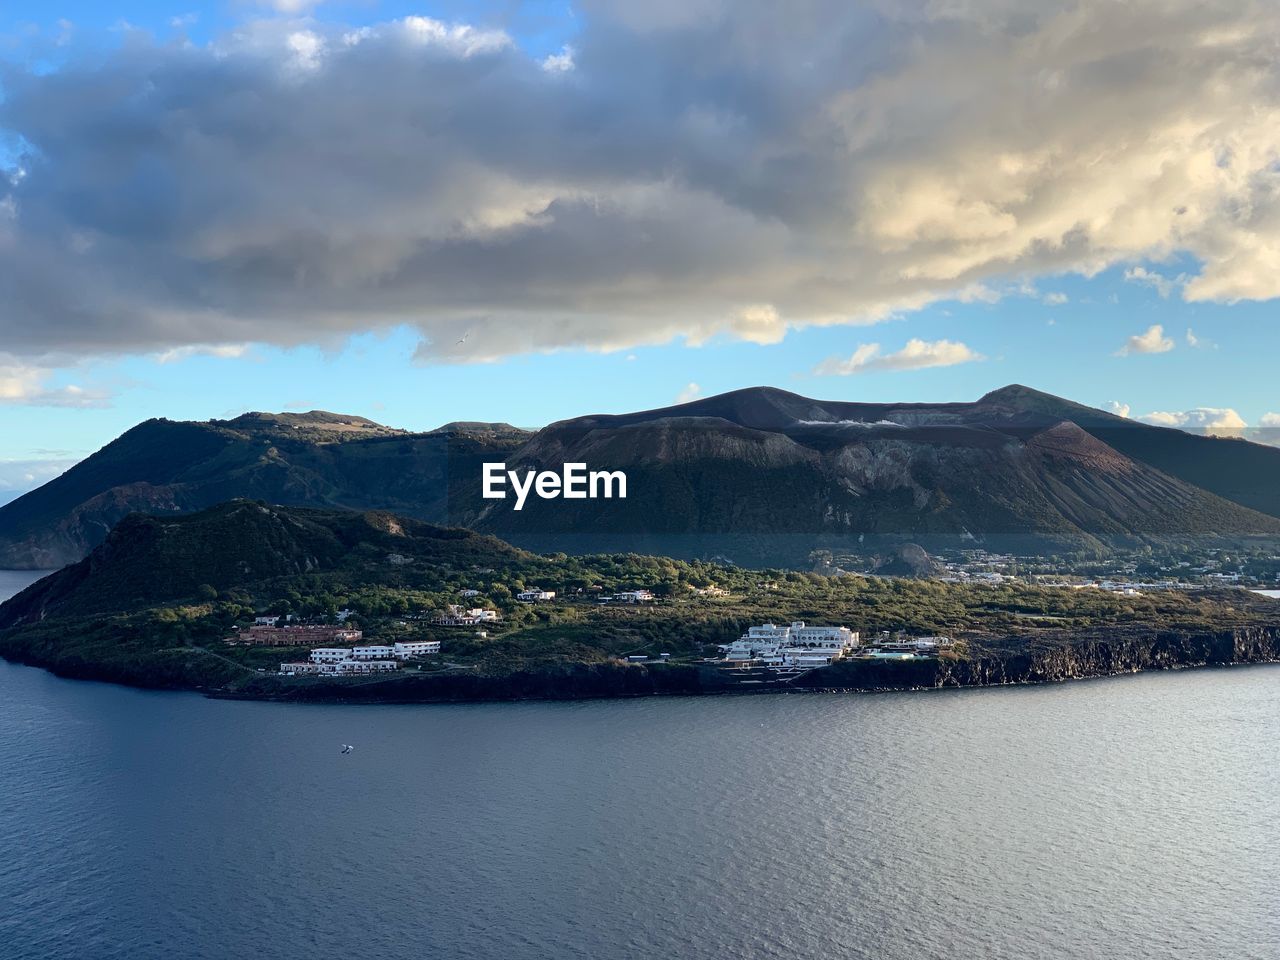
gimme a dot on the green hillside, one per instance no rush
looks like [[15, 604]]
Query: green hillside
[[154, 603], [315, 459]]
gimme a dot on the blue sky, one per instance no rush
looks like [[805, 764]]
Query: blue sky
[[549, 320]]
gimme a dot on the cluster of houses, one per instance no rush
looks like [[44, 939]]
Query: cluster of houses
[[628, 596], [535, 595], [455, 616], [799, 646], [711, 591], [265, 633], [373, 658]]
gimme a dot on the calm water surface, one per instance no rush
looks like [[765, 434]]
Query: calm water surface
[[1130, 818]]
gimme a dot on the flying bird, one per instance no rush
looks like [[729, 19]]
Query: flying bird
[[347, 748]]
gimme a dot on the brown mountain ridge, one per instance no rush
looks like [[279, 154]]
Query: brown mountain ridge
[[758, 475]]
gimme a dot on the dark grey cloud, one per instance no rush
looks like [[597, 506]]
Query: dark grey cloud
[[703, 168]]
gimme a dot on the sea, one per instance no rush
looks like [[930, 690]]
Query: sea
[[1125, 818]]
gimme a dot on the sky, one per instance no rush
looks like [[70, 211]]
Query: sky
[[422, 212]]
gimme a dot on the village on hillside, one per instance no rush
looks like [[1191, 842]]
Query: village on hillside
[[339, 649]]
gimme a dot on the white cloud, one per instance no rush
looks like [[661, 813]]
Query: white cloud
[[224, 351], [1119, 409], [1055, 299], [305, 48], [19, 476], [841, 165], [1199, 343], [561, 62], [1152, 340], [292, 6], [1163, 285], [1267, 430], [1213, 419], [690, 392], [916, 355], [24, 385]]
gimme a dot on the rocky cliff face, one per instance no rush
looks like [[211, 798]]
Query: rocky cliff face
[[760, 476], [1101, 655], [693, 480], [317, 459]]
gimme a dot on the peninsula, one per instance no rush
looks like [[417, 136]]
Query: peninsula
[[225, 600]]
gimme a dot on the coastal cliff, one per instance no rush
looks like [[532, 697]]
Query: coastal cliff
[[1079, 659], [165, 602], [1101, 654], [1011, 661]]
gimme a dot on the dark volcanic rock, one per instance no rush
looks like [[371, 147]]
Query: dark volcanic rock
[[1100, 654], [761, 476], [316, 459], [908, 560]]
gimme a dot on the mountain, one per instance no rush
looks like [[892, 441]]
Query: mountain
[[1241, 471], [757, 476], [151, 560], [317, 459], [763, 474]]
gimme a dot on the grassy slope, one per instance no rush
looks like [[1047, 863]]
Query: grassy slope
[[152, 604], [162, 466]]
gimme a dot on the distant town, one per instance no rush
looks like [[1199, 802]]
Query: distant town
[[419, 640], [1133, 572], [338, 650]]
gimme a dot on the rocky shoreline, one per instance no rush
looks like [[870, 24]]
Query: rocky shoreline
[[1010, 662], [1099, 654]]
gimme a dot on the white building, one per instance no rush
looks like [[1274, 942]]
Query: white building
[[633, 596], [373, 652], [416, 648], [930, 643], [918, 648], [535, 596], [455, 616], [469, 593], [348, 667], [330, 654], [796, 644], [767, 633], [839, 638], [298, 669], [742, 651], [265, 621], [800, 657]]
